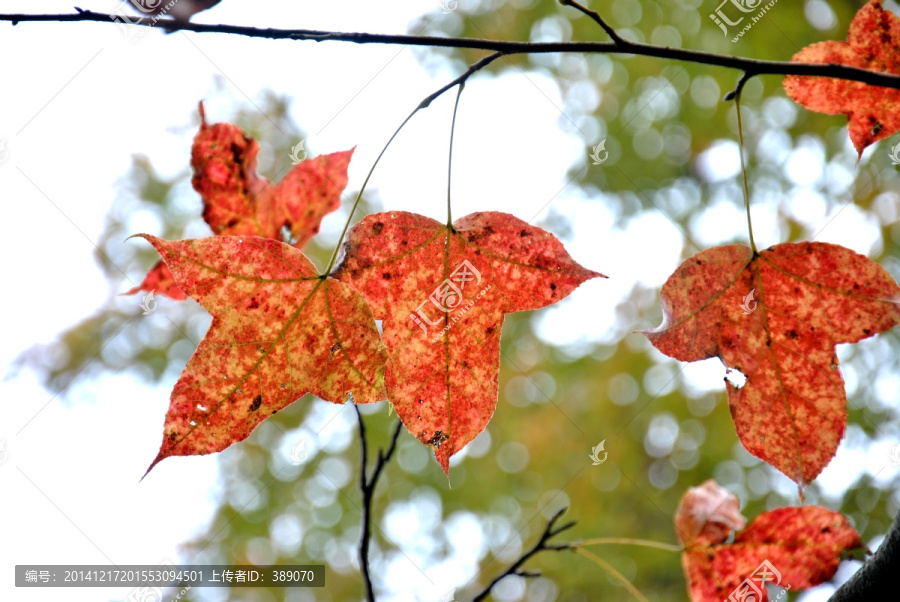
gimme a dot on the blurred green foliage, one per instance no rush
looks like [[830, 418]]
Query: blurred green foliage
[[556, 403]]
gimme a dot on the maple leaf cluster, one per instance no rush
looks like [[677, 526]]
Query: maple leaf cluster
[[281, 330]]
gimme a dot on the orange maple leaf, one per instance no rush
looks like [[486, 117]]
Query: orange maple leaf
[[237, 201], [279, 330], [794, 548], [776, 317], [442, 292], [873, 43]]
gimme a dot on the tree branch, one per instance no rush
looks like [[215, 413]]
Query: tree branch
[[877, 579], [367, 485], [620, 46], [540, 545]]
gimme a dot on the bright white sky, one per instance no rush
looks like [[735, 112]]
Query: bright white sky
[[79, 99]]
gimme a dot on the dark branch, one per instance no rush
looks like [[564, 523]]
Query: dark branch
[[367, 485], [751, 66], [877, 579], [540, 545]]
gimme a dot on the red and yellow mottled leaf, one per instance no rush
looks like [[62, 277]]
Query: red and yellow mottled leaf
[[237, 201], [873, 43], [279, 330], [795, 548], [442, 293], [776, 318]]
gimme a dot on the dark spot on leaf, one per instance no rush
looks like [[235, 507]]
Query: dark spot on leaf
[[173, 435], [437, 439], [793, 334], [386, 275], [377, 227], [552, 287], [489, 330], [253, 303], [524, 233], [257, 401], [867, 331]]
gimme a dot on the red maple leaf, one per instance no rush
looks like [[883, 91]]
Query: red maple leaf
[[794, 548], [237, 201], [776, 317], [873, 43], [279, 330], [442, 292]]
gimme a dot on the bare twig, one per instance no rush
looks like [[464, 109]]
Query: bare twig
[[541, 544], [597, 19], [621, 46], [367, 484]]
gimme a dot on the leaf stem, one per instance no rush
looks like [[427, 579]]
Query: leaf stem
[[613, 572], [473, 68], [647, 543], [736, 94], [459, 92]]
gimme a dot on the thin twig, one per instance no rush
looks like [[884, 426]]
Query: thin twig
[[458, 81], [753, 66], [540, 545], [597, 19], [367, 485]]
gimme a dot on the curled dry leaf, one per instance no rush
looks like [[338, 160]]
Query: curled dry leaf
[[795, 548], [238, 201], [279, 330], [707, 515], [442, 292], [776, 317], [873, 43]]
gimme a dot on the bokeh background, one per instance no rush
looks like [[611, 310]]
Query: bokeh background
[[97, 128]]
